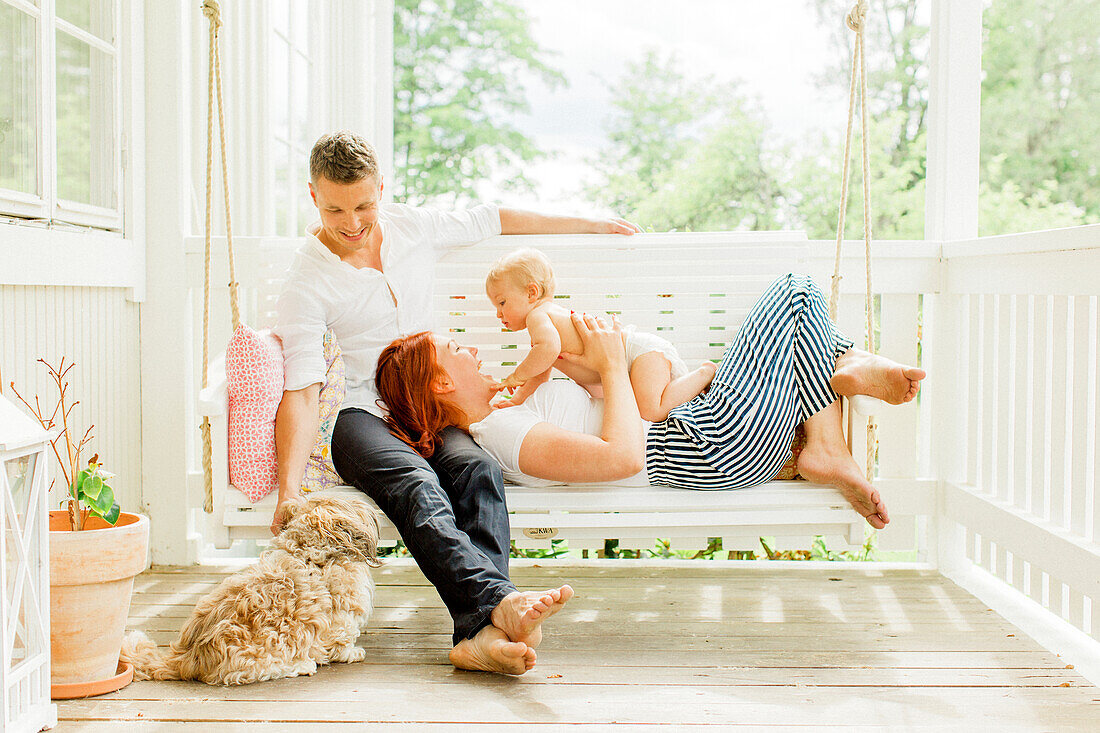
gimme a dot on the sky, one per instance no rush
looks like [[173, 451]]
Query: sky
[[776, 49]]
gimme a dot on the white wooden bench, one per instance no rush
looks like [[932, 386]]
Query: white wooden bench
[[694, 290]]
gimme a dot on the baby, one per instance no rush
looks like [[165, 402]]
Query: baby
[[521, 287]]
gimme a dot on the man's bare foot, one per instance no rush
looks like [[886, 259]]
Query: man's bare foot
[[520, 614], [837, 468], [860, 372], [491, 651]]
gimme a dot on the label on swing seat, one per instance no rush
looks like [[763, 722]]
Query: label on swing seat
[[540, 533]]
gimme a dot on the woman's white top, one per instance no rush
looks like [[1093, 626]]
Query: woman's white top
[[368, 309], [559, 402]]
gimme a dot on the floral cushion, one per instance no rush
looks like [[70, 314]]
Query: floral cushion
[[320, 473], [789, 472], [254, 376], [254, 379]]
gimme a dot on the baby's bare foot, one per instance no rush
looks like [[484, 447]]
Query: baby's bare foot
[[491, 651], [860, 372], [520, 614]]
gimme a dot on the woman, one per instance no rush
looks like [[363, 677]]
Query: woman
[[787, 366]]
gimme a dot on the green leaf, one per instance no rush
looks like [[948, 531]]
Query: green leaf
[[111, 517], [78, 483], [93, 485], [102, 501]]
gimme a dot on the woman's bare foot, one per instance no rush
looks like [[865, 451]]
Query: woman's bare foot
[[860, 372], [520, 614], [491, 651], [836, 467]]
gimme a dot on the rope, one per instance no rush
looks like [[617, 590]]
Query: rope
[[856, 20], [212, 11]]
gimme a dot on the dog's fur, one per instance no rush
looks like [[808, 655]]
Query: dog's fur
[[303, 604]]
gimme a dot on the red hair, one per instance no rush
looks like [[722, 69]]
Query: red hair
[[407, 372]]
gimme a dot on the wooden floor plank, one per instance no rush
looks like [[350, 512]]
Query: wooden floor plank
[[507, 701], [643, 647]]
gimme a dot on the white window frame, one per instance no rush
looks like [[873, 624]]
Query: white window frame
[[45, 241], [49, 205]]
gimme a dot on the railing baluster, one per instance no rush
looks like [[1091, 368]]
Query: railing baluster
[[1020, 362], [1005, 452], [1059, 395], [1079, 404], [973, 329], [990, 399], [1094, 487]]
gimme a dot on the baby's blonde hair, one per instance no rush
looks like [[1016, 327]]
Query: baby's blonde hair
[[522, 267]]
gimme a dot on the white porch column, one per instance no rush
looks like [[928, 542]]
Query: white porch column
[[954, 120], [164, 337], [951, 212]]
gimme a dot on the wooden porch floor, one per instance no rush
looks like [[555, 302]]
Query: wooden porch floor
[[644, 646]]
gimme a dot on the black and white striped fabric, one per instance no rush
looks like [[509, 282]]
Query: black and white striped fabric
[[774, 376]]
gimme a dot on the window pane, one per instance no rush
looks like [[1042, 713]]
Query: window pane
[[307, 211], [85, 124], [18, 114], [283, 222], [299, 11], [278, 97], [1040, 133], [95, 16]]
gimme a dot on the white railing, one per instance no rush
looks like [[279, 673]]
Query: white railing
[[1015, 334]]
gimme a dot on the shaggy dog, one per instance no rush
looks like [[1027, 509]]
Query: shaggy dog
[[303, 604]]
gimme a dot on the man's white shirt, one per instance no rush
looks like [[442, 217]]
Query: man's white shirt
[[367, 309]]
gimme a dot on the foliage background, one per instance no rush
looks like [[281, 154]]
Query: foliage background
[[694, 152]]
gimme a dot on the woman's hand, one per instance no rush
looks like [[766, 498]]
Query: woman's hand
[[604, 349]]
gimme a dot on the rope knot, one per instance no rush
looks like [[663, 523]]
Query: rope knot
[[857, 16], [213, 11]]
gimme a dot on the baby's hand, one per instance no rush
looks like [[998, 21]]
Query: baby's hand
[[511, 383]]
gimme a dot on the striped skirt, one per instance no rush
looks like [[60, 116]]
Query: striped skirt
[[774, 376]]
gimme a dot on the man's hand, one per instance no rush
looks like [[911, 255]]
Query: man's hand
[[283, 510], [615, 225]]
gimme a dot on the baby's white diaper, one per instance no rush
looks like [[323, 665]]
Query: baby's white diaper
[[639, 342]]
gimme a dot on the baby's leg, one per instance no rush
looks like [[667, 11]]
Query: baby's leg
[[657, 393]]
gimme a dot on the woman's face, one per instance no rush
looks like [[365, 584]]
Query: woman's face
[[463, 368]]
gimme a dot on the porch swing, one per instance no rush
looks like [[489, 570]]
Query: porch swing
[[693, 294]]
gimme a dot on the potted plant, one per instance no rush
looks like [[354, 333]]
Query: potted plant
[[95, 552]]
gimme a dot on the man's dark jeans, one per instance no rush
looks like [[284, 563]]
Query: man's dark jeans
[[450, 510]]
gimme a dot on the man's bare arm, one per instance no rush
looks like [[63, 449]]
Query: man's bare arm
[[517, 221], [296, 425]]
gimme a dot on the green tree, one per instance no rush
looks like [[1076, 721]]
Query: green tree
[[1040, 114], [458, 66], [897, 102], [684, 154]]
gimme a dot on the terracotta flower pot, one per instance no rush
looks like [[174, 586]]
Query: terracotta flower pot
[[91, 579]]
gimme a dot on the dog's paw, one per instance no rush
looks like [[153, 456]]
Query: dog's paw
[[349, 654]]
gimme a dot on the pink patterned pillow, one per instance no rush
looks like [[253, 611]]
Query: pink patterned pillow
[[254, 375]]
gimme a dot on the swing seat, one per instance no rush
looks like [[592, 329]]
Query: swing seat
[[693, 290]]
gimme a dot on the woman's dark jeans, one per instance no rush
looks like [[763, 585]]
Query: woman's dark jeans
[[450, 510]]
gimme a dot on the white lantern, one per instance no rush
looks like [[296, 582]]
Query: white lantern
[[24, 576]]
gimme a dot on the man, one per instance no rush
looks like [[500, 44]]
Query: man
[[366, 273]]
